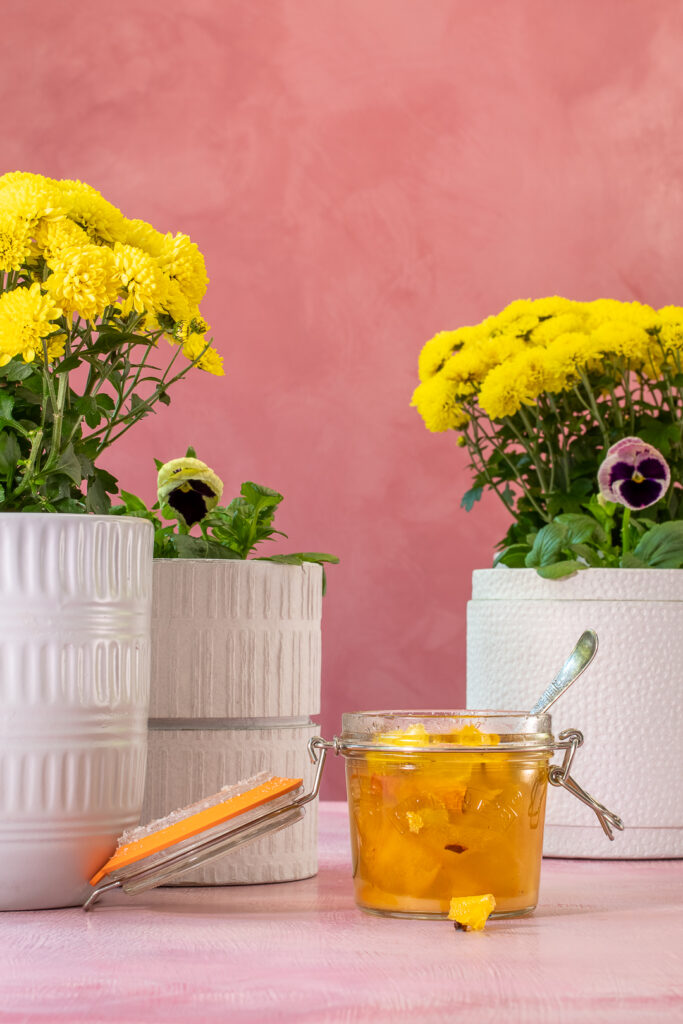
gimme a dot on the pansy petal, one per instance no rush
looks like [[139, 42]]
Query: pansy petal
[[620, 471], [626, 446], [604, 478], [653, 469], [641, 495]]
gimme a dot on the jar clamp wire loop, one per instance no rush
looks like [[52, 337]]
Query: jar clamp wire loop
[[558, 775]]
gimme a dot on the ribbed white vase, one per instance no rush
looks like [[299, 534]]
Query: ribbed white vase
[[235, 680], [75, 596], [629, 703]]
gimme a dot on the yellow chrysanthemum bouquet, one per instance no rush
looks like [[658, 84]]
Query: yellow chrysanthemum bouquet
[[539, 395], [86, 296]]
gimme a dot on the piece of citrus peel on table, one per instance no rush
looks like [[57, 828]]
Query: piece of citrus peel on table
[[470, 913], [146, 841]]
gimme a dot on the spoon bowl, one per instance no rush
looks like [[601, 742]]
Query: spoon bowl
[[577, 662]]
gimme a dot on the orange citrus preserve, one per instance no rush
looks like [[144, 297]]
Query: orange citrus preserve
[[427, 827]]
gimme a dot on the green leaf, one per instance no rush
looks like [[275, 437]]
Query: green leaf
[[69, 465], [582, 528], [10, 452], [70, 505], [88, 408], [105, 402], [589, 555], [6, 406], [299, 557], [2, 493], [100, 486], [132, 502], [547, 545], [19, 370], [199, 547], [630, 561], [662, 546], [470, 497], [559, 569], [256, 494], [68, 364], [513, 556], [158, 463], [190, 453], [281, 559]]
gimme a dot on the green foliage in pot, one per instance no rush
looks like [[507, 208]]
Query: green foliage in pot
[[189, 493], [541, 395], [89, 301]]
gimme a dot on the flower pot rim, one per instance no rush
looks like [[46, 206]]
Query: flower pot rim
[[81, 516], [236, 561], [592, 584]]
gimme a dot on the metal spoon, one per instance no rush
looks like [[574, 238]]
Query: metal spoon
[[578, 660]]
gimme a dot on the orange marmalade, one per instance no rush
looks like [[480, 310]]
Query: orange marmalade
[[445, 807]]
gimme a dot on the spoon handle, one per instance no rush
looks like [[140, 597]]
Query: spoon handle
[[576, 663]]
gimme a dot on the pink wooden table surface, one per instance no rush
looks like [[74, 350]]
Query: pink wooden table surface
[[605, 945]]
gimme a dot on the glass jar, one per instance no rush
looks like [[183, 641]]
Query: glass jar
[[445, 804]]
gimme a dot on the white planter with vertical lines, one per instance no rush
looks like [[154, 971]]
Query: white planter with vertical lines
[[235, 679], [75, 596]]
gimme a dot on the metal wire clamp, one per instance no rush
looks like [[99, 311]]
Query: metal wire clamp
[[143, 875], [558, 775]]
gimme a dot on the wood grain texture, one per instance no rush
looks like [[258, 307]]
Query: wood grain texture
[[604, 946]]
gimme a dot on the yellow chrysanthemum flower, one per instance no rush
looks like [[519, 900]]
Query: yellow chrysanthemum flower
[[30, 197], [15, 242], [671, 314], [603, 311], [435, 352], [552, 327], [514, 310], [624, 339], [101, 220], [85, 279], [197, 347], [438, 406], [177, 306], [473, 362], [554, 305], [144, 285], [182, 261], [144, 236], [25, 200], [517, 382], [26, 318], [52, 236], [572, 352]]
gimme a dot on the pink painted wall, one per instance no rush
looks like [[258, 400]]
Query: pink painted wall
[[359, 175]]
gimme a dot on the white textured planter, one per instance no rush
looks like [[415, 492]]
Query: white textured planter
[[629, 704], [75, 595], [235, 679]]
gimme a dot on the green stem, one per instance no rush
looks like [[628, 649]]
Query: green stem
[[516, 475], [27, 475], [593, 405], [626, 532], [57, 421]]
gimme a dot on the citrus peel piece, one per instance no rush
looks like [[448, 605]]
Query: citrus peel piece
[[471, 912]]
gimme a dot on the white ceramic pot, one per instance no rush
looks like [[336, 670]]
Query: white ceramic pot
[[75, 596], [628, 704], [235, 679]]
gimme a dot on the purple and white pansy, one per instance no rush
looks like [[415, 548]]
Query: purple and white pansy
[[634, 474]]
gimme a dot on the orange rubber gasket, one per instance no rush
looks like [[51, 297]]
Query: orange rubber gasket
[[195, 823]]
